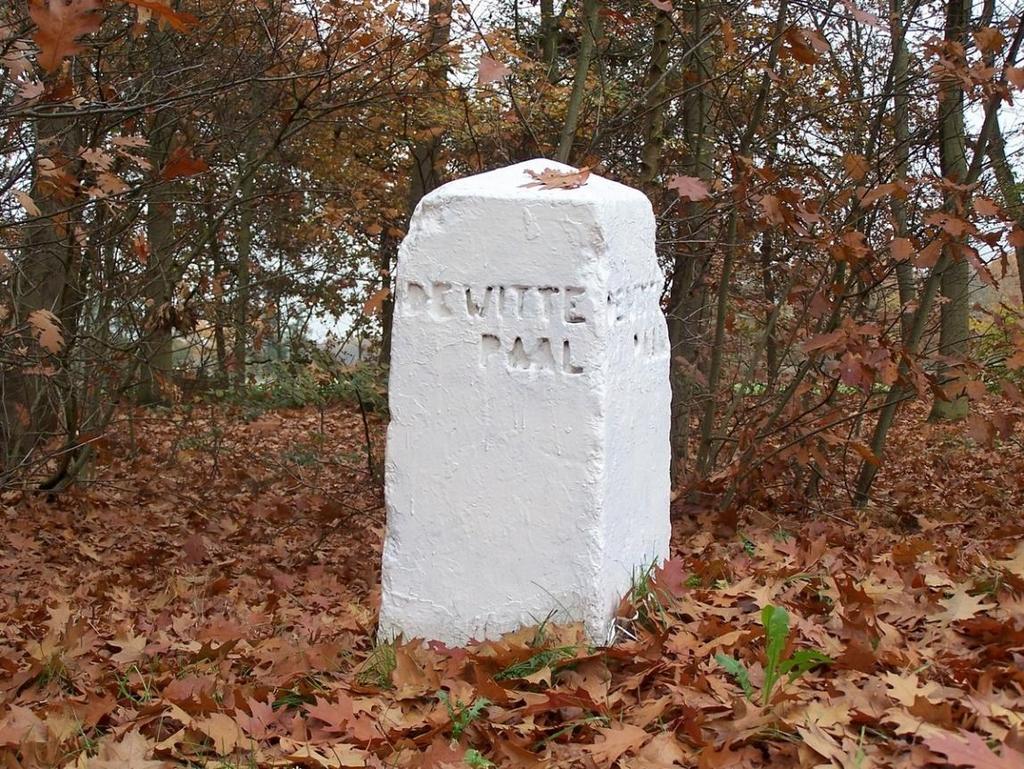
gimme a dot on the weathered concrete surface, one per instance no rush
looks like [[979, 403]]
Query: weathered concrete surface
[[527, 468]]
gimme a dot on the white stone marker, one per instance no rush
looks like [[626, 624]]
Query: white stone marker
[[527, 468]]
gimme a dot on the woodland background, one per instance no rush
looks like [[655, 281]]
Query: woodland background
[[190, 472], [186, 187]]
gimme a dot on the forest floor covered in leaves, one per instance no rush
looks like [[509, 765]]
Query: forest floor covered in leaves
[[207, 598]]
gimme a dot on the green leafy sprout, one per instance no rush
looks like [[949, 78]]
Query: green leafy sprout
[[775, 620], [460, 714]]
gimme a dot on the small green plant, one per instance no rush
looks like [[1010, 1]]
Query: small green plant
[[460, 714], [645, 599], [378, 667], [292, 698], [55, 672], [748, 545], [126, 686], [542, 659], [775, 620], [477, 760]]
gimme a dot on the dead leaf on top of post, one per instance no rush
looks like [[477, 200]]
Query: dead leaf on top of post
[[553, 179]]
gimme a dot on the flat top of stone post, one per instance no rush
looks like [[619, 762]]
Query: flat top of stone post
[[510, 183]]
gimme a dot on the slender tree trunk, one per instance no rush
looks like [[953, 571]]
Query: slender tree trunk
[[955, 277], [549, 37], [426, 172], [771, 351], [155, 344], [705, 452], [243, 269], [32, 408], [901, 135], [655, 88], [588, 44], [686, 313], [156, 349], [217, 260], [1010, 192]]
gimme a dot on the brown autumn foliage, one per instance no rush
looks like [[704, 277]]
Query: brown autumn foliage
[[187, 582], [188, 185], [198, 607]]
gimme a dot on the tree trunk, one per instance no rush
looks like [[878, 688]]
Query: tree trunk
[[155, 343], [705, 451], [549, 37], [954, 328], [588, 44], [32, 403], [243, 244], [655, 88], [217, 260], [156, 348], [425, 175], [901, 135], [686, 314], [1010, 192]]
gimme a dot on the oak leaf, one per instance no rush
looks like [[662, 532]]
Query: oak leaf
[[971, 750], [131, 649], [183, 163], [989, 40], [663, 751], [411, 677], [376, 301], [60, 24], [985, 206], [27, 203], [821, 742], [177, 19], [962, 605], [772, 208], [856, 166], [1015, 564], [862, 16], [330, 756], [902, 249], [689, 187], [616, 740], [130, 753], [728, 37], [491, 70], [553, 179], [223, 730], [258, 721], [47, 331]]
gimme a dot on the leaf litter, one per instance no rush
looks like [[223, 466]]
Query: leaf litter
[[208, 598]]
